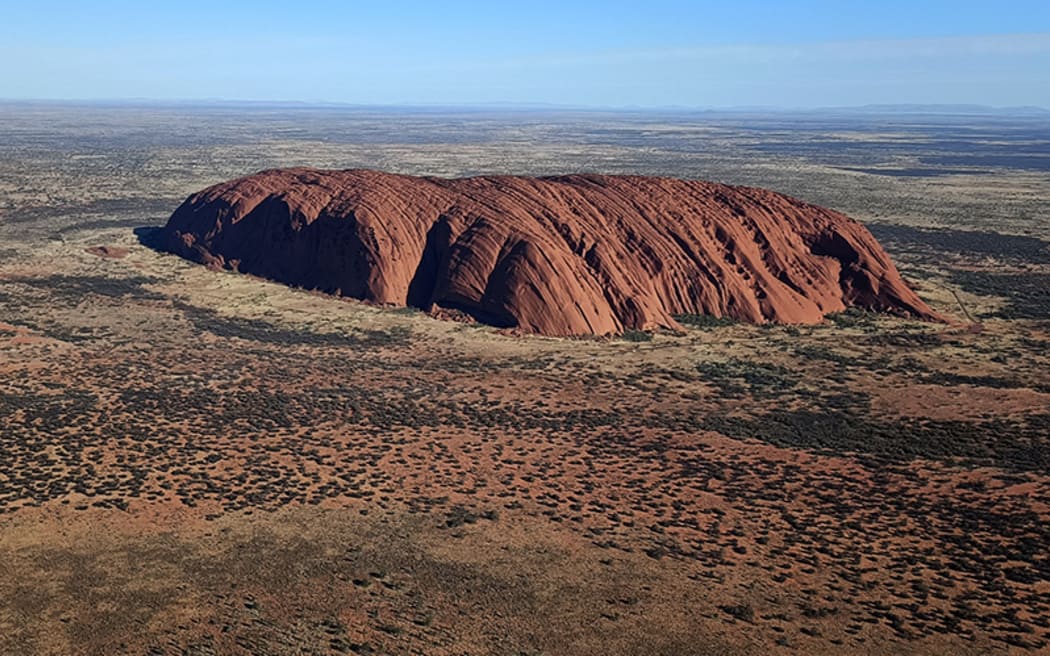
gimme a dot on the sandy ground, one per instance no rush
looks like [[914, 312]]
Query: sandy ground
[[204, 463], [208, 463]]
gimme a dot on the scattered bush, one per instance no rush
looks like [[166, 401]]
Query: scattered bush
[[637, 336], [704, 321]]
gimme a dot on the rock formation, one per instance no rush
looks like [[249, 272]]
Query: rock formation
[[108, 252], [568, 255]]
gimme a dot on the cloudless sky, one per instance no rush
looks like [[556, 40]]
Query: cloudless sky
[[611, 53]]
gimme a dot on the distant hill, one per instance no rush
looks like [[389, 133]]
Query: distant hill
[[940, 109]]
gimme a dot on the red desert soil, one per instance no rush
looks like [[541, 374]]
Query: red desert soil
[[108, 252], [569, 255]]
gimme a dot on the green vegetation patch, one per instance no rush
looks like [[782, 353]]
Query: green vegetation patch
[[854, 318], [966, 242], [72, 290], [1027, 294], [206, 320], [704, 321], [737, 377], [1020, 445], [637, 336]]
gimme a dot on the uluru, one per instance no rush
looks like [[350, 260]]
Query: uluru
[[565, 255]]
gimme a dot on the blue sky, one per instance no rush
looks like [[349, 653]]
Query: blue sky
[[612, 53]]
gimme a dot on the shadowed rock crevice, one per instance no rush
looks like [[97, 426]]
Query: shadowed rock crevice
[[567, 255], [433, 266]]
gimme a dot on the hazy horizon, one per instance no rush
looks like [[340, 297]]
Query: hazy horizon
[[946, 109]]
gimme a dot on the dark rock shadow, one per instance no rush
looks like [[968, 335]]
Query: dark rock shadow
[[433, 266], [151, 237]]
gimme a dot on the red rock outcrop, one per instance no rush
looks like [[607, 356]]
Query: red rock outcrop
[[108, 252], [569, 255]]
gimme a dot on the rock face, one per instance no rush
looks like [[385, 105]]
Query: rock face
[[571, 255]]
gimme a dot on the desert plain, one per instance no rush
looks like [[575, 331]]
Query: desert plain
[[202, 462]]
